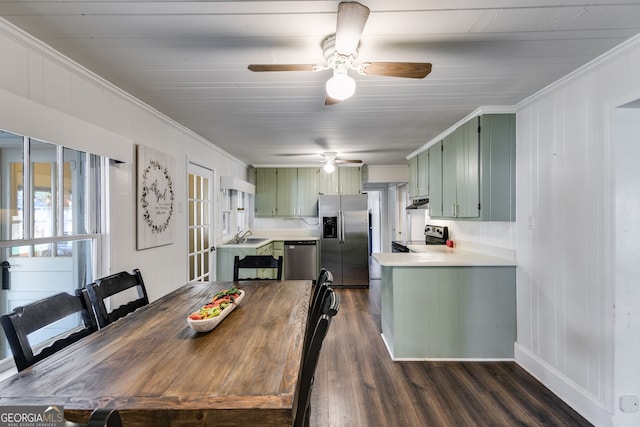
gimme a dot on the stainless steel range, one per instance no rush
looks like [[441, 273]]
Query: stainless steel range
[[433, 235], [436, 235]]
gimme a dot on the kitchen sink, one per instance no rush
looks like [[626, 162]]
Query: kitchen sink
[[248, 241], [253, 240]]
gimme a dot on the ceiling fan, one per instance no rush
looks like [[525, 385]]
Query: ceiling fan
[[340, 52], [330, 159]]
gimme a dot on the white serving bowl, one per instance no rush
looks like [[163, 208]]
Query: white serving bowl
[[207, 325]]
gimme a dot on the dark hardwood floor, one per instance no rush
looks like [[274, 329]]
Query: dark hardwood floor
[[357, 383]]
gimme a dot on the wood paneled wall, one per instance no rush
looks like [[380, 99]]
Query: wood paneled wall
[[565, 233]]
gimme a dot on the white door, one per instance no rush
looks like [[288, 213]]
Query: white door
[[201, 257]]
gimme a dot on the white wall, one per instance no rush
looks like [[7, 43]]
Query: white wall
[[500, 235], [567, 301], [63, 101]]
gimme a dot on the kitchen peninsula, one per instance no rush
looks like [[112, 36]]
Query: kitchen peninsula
[[448, 304]]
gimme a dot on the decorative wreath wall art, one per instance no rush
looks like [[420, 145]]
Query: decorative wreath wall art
[[155, 198]]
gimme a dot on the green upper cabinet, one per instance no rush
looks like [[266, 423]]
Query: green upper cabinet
[[419, 176], [460, 180], [308, 190], [286, 192], [343, 180], [435, 180], [423, 174], [478, 170], [413, 177], [498, 167], [266, 185]]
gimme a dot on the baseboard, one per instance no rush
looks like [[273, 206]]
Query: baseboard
[[386, 344], [572, 394]]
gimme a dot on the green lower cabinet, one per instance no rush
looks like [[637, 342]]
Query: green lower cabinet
[[267, 273], [449, 312], [278, 251], [225, 257]]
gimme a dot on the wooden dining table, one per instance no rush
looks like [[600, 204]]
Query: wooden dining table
[[157, 371]]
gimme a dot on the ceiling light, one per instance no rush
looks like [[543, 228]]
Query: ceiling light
[[341, 86], [329, 167]]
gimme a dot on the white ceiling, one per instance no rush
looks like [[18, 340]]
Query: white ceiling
[[188, 59]]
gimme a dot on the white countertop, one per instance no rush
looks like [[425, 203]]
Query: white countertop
[[440, 256]]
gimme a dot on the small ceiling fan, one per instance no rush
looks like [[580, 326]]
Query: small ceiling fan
[[340, 52], [330, 159]]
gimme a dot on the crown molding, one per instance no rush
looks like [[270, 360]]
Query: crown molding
[[38, 46]]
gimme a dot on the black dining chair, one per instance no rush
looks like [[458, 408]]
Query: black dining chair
[[257, 262], [115, 284], [302, 401], [325, 279], [88, 316], [101, 417], [317, 300], [27, 319], [324, 276]]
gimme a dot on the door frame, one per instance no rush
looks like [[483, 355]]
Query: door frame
[[198, 169]]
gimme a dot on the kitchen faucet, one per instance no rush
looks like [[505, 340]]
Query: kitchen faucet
[[239, 237]]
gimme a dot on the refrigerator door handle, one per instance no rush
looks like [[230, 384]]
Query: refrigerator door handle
[[341, 227]]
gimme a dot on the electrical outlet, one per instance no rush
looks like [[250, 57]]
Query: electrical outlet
[[629, 403]]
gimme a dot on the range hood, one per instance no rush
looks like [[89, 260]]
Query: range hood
[[419, 204], [233, 183]]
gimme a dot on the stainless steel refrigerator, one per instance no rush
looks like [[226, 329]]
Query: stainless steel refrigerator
[[344, 238]]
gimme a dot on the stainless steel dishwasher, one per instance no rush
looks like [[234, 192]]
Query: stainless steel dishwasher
[[300, 259]]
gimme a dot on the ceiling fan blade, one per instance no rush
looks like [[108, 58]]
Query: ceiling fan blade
[[281, 67], [351, 19], [331, 101], [412, 70], [340, 161]]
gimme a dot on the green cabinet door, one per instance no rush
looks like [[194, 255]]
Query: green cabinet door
[[419, 176], [287, 192], [423, 174], [224, 261], [460, 169], [468, 167], [343, 180], [266, 273], [266, 190], [449, 173], [413, 177], [350, 180], [497, 167], [328, 182], [435, 180], [308, 189], [278, 251]]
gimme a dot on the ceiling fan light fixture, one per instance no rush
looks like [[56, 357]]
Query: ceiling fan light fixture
[[341, 86], [329, 167]]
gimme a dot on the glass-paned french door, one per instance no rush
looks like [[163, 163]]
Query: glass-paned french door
[[201, 257]]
